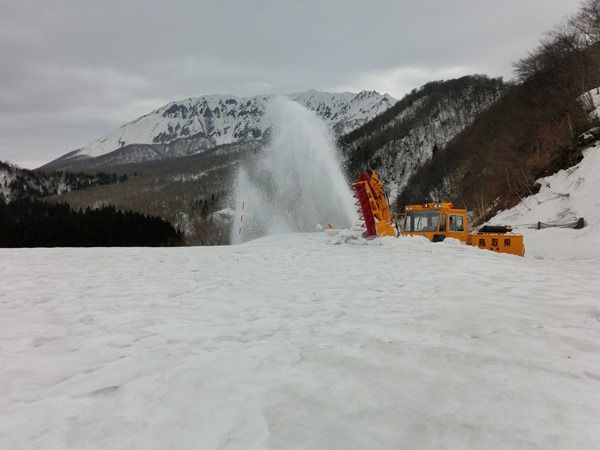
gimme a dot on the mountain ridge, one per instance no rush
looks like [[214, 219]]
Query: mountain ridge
[[404, 137], [196, 124]]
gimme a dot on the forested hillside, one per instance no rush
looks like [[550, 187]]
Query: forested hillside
[[403, 138], [27, 220], [189, 192], [18, 184], [538, 126]]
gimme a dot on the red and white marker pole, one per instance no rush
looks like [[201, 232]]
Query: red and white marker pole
[[241, 222]]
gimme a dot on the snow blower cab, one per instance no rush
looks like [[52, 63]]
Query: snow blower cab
[[435, 221]]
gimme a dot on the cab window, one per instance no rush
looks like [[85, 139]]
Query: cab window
[[456, 223], [421, 221]]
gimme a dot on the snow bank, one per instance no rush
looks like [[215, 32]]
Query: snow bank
[[564, 197]]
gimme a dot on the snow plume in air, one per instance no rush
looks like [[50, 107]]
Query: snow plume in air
[[296, 185]]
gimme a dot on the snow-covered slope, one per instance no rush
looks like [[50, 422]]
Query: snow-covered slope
[[347, 111], [563, 199], [322, 340], [214, 120]]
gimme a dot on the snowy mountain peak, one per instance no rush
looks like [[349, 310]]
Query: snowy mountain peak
[[214, 120]]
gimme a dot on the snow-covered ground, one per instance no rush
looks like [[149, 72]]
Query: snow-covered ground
[[309, 341]]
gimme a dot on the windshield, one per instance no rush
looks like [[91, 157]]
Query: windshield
[[421, 221]]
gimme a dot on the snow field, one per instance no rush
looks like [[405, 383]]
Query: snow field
[[321, 340]]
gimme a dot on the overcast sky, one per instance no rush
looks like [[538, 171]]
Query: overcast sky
[[74, 70]]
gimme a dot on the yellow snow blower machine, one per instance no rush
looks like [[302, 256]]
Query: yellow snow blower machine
[[436, 221]]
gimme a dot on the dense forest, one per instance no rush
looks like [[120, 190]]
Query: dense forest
[[32, 223]]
